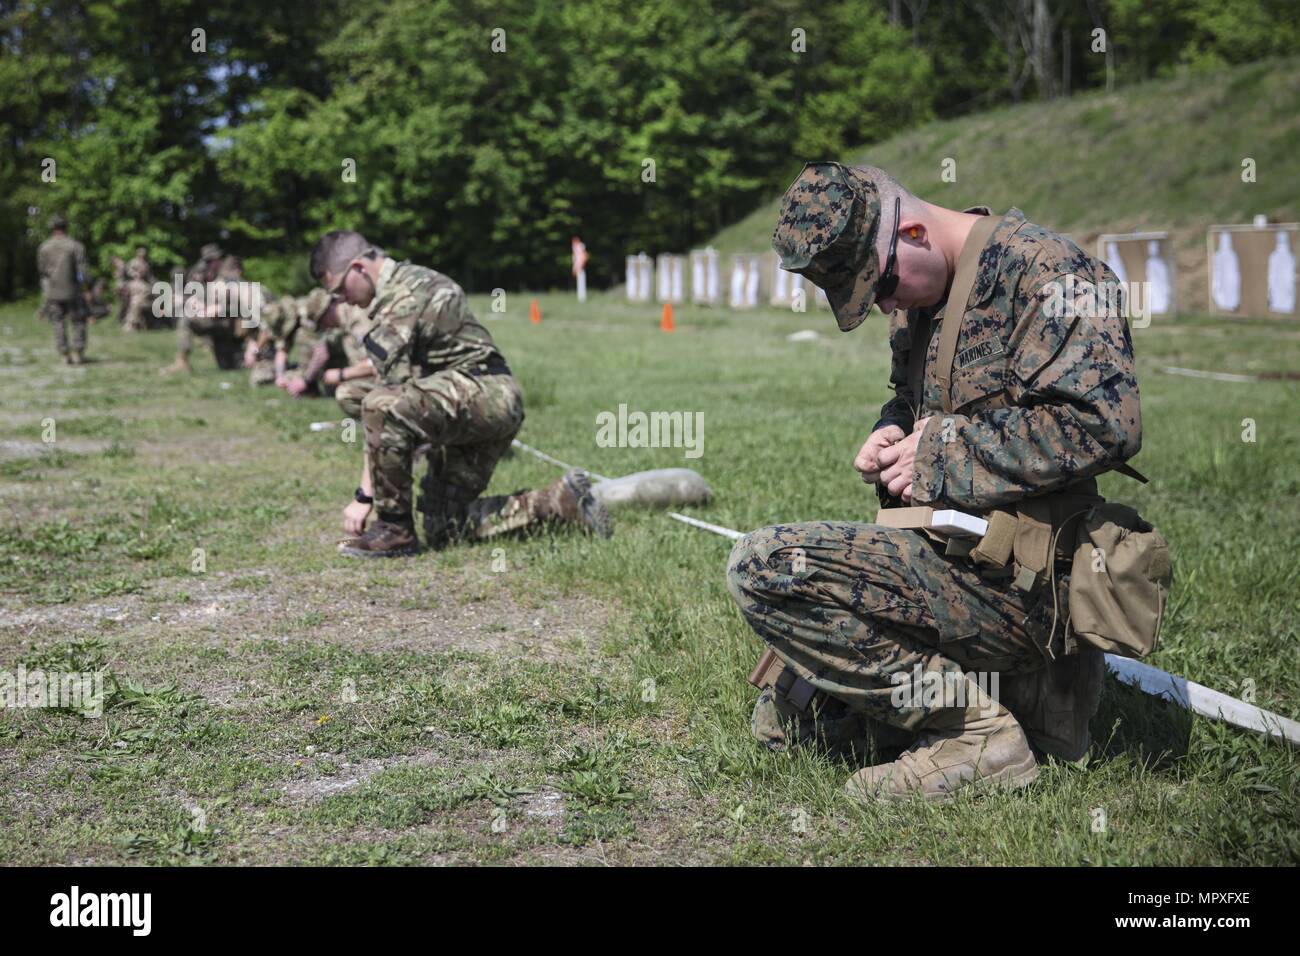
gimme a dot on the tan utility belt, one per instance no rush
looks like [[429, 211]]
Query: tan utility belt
[[1018, 542]]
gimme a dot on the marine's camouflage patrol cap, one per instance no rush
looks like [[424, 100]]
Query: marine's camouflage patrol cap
[[210, 251], [57, 221], [826, 231]]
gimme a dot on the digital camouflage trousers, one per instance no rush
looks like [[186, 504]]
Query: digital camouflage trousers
[[876, 617]]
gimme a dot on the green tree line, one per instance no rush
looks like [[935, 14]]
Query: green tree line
[[480, 135]]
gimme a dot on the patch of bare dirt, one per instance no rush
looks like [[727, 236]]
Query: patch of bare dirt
[[414, 606], [10, 449]]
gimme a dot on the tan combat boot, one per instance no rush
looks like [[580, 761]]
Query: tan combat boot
[[1055, 703], [77, 358], [569, 501], [827, 724], [182, 364], [383, 539], [979, 743]]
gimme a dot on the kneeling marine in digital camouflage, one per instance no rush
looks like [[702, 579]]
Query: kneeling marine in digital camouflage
[[440, 382], [899, 641]]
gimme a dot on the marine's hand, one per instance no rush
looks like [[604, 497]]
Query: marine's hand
[[354, 517], [897, 461], [250, 355], [868, 460], [296, 386]]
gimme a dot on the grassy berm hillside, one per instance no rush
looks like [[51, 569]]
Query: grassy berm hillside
[[1164, 155]]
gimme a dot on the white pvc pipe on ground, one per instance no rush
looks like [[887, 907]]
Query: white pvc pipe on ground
[[1152, 680]]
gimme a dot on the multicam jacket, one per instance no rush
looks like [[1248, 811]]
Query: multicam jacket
[[420, 324], [61, 262], [1043, 391]]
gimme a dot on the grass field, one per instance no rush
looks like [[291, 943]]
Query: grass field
[[587, 703]]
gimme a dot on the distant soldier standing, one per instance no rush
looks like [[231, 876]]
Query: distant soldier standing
[[1008, 411], [441, 382], [120, 291], [139, 285], [61, 262]]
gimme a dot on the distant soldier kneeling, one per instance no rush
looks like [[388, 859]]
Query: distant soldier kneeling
[[442, 382]]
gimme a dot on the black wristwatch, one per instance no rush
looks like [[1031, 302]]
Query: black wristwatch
[[362, 497]]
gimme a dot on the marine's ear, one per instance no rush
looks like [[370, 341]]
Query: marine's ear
[[913, 229]]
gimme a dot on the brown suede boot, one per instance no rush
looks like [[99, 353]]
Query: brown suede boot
[[569, 501], [1055, 703], [76, 358], [979, 743], [181, 365], [383, 539]]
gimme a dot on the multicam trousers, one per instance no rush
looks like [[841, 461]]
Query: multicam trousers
[[138, 313], [352, 393], [874, 616], [468, 421], [65, 314]]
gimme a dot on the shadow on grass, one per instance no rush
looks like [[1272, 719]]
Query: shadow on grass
[[1153, 731]]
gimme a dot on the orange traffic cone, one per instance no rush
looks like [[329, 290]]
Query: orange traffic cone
[[666, 323], [534, 313]]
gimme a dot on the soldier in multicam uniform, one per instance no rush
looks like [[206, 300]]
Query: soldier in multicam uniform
[[118, 265], [139, 285], [315, 329], [61, 262], [284, 322], [96, 299], [441, 382], [880, 630], [216, 314]]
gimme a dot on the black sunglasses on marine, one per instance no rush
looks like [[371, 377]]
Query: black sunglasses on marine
[[889, 278]]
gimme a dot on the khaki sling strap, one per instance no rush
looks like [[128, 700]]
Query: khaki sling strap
[[959, 300]]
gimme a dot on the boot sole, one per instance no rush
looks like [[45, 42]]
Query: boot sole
[[363, 553], [594, 515]]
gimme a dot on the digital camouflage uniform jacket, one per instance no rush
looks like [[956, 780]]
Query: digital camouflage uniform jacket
[[420, 325], [1043, 390]]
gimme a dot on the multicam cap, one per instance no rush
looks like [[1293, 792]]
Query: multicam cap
[[57, 221], [210, 251], [826, 231]]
